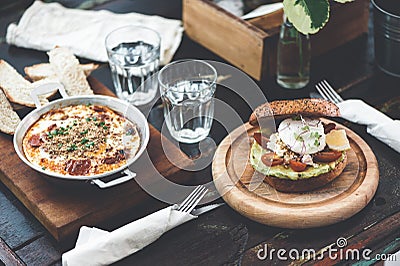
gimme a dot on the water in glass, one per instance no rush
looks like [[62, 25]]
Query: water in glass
[[189, 109], [131, 64]]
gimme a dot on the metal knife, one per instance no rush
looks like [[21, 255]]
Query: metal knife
[[204, 209]]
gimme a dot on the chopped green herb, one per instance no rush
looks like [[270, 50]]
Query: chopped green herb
[[84, 140], [95, 118], [306, 127], [59, 145], [90, 144], [71, 148], [88, 104], [84, 132], [43, 168], [88, 119], [315, 135], [298, 137], [102, 123], [105, 127], [316, 142]]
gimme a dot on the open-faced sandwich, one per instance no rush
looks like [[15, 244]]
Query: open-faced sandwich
[[305, 153]]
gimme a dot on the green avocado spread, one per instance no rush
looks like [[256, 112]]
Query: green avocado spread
[[286, 172]]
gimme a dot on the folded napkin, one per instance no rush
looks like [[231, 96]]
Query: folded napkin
[[378, 124], [98, 247], [43, 26]]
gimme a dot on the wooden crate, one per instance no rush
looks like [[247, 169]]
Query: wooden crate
[[251, 45]]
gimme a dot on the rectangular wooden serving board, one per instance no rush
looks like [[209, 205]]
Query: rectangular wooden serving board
[[63, 209]]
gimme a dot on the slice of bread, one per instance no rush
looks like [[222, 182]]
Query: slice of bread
[[9, 119], [45, 70], [15, 87], [307, 184], [68, 72], [287, 108]]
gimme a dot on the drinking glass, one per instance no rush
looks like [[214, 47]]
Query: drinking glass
[[134, 55], [187, 90]]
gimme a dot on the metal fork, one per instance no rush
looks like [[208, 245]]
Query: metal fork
[[193, 199], [327, 92]]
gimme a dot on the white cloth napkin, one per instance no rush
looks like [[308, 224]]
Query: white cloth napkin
[[98, 247], [378, 124], [43, 26]]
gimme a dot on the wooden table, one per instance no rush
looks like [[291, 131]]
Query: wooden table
[[223, 236]]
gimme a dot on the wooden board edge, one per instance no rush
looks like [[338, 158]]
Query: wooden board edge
[[33, 209]]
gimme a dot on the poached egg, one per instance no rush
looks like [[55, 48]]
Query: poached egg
[[302, 135]]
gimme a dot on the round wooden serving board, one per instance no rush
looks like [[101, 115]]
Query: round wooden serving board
[[242, 188]]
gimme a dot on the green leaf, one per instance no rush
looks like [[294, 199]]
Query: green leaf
[[307, 16], [343, 1]]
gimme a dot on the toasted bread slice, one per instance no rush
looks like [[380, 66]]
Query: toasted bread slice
[[9, 119], [287, 108], [15, 87], [45, 70], [307, 184], [68, 71]]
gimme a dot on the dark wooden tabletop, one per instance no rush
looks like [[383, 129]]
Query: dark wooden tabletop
[[223, 236]]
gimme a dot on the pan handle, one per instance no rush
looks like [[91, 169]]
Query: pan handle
[[129, 175], [47, 88]]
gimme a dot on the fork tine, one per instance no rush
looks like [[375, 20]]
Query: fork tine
[[184, 202], [324, 93], [328, 93], [340, 99], [321, 92], [194, 200], [199, 198]]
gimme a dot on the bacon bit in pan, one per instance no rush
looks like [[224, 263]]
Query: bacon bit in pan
[[110, 160], [78, 167], [51, 127], [103, 117], [118, 156], [97, 108], [35, 140]]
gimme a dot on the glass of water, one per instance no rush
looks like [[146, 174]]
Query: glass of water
[[187, 89], [134, 55]]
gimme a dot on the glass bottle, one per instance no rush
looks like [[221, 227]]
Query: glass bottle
[[294, 52]]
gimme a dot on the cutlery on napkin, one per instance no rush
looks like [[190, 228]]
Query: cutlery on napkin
[[378, 124], [44, 26], [98, 247]]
